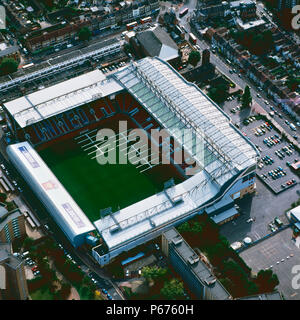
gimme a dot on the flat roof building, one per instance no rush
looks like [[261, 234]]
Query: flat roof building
[[13, 284], [12, 225], [197, 275]]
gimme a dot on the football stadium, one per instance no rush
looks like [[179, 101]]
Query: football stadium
[[56, 147]]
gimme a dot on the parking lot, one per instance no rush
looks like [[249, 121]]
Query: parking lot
[[276, 156], [279, 253], [112, 67]]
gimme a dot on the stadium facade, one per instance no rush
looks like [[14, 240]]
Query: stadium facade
[[226, 168]]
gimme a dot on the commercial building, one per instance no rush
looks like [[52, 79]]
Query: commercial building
[[12, 225], [294, 216], [155, 42], [9, 52], [195, 273], [13, 284]]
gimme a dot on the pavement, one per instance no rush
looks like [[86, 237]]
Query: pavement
[[280, 254], [264, 206]]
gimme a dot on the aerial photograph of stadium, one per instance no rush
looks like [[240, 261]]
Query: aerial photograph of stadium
[[149, 151]]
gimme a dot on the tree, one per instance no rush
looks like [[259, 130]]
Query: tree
[[194, 58], [293, 82], [173, 290], [8, 66], [84, 34], [152, 273], [184, 227], [3, 196], [246, 98], [219, 93], [266, 281], [28, 243]]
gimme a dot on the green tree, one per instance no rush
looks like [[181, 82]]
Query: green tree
[[293, 82], [8, 66], [266, 281], [173, 290], [28, 243], [219, 93], [194, 58], [3, 196], [153, 273], [246, 98], [184, 227], [84, 34]]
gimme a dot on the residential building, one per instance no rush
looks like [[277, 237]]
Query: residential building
[[195, 272], [13, 284], [12, 225]]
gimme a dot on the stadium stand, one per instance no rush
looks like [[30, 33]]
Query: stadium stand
[[153, 95]]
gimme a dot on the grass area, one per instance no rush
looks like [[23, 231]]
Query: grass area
[[42, 294], [94, 186]]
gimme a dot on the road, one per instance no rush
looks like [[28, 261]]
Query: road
[[238, 79]]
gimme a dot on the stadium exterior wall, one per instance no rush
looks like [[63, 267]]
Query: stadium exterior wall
[[64, 218], [247, 186]]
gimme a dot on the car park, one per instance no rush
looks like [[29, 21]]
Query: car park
[[278, 222]]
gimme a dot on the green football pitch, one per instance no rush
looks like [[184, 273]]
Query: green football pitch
[[94, 186]]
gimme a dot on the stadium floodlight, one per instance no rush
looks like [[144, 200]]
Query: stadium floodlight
[[105, 212], [170, 183]]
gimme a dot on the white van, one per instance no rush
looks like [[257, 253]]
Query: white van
[[26, 253], [292, 126]]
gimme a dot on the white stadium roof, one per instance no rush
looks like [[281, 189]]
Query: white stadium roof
[[176, 103], [50, 191], [61, 97]]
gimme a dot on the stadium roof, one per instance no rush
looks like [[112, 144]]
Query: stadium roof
[[157, 210], [176, 103], [191, 107], [61, 97], [54, 195]]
